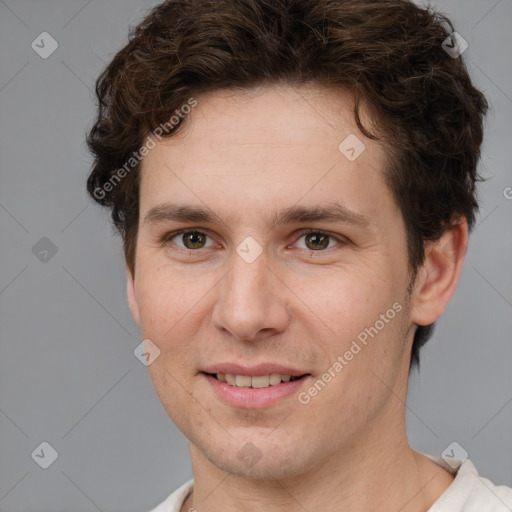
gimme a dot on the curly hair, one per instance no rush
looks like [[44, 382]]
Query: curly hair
[[389, 53]]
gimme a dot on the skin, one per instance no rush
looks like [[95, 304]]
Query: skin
[[244, 155]]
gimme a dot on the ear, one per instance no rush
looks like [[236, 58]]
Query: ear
[[130, 293], [437, 278]]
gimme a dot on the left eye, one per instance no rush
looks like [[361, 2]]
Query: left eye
[[317, 240]]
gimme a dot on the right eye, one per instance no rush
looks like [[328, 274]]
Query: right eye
[[191, 240]]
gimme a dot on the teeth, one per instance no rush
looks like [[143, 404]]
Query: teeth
[[260, 381], [243, 381], [275, 379]]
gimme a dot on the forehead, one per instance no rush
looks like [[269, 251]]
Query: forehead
[[275, 144], [272, 115]]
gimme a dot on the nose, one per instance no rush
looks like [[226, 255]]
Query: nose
[[252, 302]]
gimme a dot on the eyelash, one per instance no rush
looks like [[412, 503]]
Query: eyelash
[[166, 239]]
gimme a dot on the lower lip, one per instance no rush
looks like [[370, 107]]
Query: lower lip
[[254, 398]]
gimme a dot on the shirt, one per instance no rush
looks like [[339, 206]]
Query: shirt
[[468, 492]]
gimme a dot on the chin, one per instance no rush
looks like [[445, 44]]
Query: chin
[[268, 467], [257, 462]]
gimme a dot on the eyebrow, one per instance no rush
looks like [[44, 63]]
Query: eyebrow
[[334, 212]]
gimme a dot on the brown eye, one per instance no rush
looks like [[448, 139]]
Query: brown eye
[[187, 239], [316, 241], [193, 239], [313, 240]]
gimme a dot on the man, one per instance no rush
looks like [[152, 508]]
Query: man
[[294, 182]]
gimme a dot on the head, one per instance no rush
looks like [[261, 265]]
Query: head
[[241, 110]]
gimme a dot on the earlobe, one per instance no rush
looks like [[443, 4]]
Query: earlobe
[[437, 278], [130, 294]]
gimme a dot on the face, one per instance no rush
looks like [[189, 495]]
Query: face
[[268, 252]]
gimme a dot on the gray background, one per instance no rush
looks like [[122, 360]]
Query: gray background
[[68, 375]]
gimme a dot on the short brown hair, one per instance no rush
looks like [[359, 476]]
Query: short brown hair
[[387, 52]]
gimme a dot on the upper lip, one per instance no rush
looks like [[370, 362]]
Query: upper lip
[[253, 371]]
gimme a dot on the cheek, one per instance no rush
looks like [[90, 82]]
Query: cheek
[[362, 320], [169, 303], [344, 300]]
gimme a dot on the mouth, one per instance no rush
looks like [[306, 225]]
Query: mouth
[[256, 386], [256, 381]]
